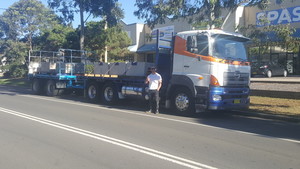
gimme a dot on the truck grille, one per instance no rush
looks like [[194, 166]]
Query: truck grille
[[236, 79]]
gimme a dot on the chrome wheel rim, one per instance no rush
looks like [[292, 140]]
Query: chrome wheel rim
[[182, 102]]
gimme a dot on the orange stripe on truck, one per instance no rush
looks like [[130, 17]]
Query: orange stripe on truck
[[180, 48]]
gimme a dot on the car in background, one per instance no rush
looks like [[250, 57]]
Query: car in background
[[267, 69]]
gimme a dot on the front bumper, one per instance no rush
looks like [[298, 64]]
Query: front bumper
[[221, 98]]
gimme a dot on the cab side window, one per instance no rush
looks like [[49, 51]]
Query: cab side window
[[197, 44], [202, 44]]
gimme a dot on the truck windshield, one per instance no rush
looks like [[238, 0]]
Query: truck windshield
[[229, 47]]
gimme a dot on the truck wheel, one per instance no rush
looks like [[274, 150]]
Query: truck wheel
[[36, 86], [182, 101], [269, 73], [109, 94], [92, 92], [51, 88]]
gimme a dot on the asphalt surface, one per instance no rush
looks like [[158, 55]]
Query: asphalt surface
[[45, 132]]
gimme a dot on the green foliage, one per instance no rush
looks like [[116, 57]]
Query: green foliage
[[264, 37], [96, 37], [22, 82], [117, 42], [58, 36], [14, 52], [14, 56], [16, 71], [114, 38], [89, 69], [197, 10], [110, 9], [25, 19]]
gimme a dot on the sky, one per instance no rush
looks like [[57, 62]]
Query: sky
[[127, 5]]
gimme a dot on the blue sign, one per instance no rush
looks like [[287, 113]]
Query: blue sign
[[279, 16]]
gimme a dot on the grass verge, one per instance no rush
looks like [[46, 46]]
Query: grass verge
[[20, 82], [277, 106]]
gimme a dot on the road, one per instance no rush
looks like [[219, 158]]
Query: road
[[62, 133]]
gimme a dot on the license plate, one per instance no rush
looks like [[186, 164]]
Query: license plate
[[237, 101], [254, 72]]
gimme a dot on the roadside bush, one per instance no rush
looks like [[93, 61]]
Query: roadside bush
[[16, 71]]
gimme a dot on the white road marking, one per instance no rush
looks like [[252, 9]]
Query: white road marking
[[158, 117], [121, 143]]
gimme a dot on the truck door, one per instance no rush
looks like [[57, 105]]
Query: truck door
[[197, 44]]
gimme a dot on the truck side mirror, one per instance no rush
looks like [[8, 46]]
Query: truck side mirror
[[189, 44]]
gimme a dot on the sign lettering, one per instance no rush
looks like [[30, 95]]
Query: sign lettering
[[279, 16]]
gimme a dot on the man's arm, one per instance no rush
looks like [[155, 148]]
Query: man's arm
[[159, 84], [147, 80]]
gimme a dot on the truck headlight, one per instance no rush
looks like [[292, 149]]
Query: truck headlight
[[216, 97]]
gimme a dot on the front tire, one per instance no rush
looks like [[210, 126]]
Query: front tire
[[183, 102]]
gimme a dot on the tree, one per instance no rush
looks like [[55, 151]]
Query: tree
[[117, 42], [197, 10], [271, 35], [107, 9], [26, 19], [114, 38], [59, 36], [14, 56]]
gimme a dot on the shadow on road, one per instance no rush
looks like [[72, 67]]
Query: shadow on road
[[222, 119]]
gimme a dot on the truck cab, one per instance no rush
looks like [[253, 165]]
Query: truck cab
[[210, 71]]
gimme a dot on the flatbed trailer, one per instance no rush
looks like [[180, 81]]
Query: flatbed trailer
[[106, 88]]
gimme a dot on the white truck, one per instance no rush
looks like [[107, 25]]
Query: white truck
[[203, 70]]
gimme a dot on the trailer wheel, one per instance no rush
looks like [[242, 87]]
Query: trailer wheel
[[109, 94], [36, 86], [182, 101], [51, 88], [92, 92]]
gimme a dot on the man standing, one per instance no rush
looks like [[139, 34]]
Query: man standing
[[155, 81]]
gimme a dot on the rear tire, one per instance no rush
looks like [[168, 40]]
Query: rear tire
[[183, 102], [109, 94], [92, 92], [51, 89], [37, 86]]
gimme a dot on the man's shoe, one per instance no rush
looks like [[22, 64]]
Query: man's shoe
[[157, 112], [148, 111]]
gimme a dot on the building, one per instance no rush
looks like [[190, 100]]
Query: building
[[277, 13]]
